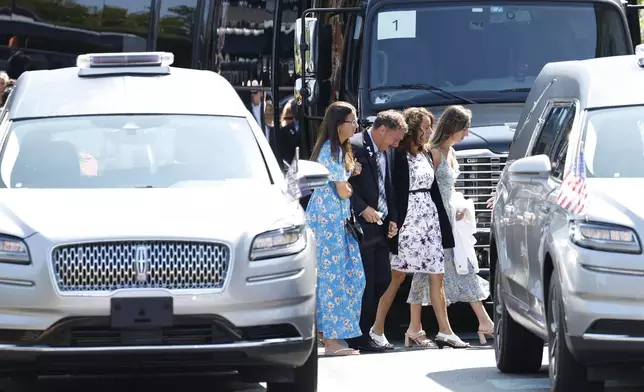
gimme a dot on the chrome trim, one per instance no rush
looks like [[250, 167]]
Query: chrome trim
[[17, 282], [612, 338], [276, 277], [615, 271], [125, 349]]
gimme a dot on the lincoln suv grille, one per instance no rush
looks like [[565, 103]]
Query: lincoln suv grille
[[478, 179], [173, 265]]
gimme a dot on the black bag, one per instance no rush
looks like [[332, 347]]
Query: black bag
[[354, 228]]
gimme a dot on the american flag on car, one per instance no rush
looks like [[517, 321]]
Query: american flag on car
[[573, 196]]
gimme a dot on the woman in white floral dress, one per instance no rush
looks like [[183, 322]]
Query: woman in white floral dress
[[453, 127], [418, 247]]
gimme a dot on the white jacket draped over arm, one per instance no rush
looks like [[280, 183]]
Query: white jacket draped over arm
[[464, 240]]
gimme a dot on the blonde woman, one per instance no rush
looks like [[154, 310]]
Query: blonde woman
[[452, 127]]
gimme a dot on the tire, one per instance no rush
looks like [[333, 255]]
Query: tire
[[516, 349], [566, 373], [305, 378]]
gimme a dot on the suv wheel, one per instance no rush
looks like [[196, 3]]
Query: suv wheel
[[305, 378], [516, 349], [566, 374]]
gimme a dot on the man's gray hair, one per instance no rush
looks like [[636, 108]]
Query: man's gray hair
[[392, 119]]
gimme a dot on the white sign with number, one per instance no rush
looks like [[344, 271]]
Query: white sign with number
[[396, 24]]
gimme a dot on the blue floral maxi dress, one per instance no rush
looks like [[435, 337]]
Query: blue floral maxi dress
[[341, 278]]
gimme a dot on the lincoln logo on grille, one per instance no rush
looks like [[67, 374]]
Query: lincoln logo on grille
[[142, 265]]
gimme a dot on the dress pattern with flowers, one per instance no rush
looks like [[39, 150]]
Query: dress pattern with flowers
[[458, 288], [420, 246], [341, 279]]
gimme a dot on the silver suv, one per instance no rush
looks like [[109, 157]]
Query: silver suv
[[566, 248], [146, 224]]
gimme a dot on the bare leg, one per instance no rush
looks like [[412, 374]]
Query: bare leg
[[384, 304], [485, 322], [415, 312], [437, 296]]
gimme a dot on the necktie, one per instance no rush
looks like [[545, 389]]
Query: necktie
[[382, 194]]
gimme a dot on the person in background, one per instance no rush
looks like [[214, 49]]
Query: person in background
[[374, 201], [289, 133], [453, 126], [341, 277]]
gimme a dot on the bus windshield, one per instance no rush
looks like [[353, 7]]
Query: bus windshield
[[483, 52]]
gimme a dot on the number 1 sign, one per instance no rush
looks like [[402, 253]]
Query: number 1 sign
[[396, 24]]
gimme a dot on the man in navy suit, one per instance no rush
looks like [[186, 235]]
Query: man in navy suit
[[374, 204]]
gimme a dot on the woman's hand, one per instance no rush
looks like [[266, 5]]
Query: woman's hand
[[490, 202], [344, 189]]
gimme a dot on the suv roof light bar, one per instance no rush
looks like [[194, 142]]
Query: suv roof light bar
[[134, 59]]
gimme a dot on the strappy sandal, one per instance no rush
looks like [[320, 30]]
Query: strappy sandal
[[482, 334], [341, 352], [452, 341], [419, 339]]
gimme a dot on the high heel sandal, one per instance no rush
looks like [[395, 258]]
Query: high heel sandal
[[419, 339], [482, 334], [452, 341]]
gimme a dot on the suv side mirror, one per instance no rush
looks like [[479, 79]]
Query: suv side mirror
[[311, 176], [530, 170]]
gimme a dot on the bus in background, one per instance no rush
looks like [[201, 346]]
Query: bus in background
[[233, 37]]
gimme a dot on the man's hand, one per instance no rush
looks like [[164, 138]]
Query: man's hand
[[393, 230], [370, 215]]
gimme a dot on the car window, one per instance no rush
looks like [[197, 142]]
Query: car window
[[130, 151], [549, 129], [613, 143], [558, 157]]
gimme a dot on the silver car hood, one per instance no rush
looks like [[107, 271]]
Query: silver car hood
[[225, 212], [616, 200]]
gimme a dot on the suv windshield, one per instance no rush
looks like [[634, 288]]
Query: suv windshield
[[614, 143], [484, 52], [129, 151]]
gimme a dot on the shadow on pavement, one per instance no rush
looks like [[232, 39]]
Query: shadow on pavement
[[489, 379]]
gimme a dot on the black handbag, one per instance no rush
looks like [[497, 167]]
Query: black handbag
[[354, 228]]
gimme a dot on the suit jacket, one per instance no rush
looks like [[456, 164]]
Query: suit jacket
[[288, 139], [401, 188], [365, 188]]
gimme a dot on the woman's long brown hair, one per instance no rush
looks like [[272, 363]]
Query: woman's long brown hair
[[335, 116], [414, 119]]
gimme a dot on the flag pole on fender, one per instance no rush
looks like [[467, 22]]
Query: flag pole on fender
[[292, 182], [573, 195]]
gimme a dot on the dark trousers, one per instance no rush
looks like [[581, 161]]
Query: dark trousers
[[377, 270]]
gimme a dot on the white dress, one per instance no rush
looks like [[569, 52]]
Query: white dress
[[420, 247]]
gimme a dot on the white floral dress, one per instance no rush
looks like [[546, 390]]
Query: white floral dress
[[458, 288], [419, 240]]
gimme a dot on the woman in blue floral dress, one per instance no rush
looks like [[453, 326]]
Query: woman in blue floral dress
[[341, 278]]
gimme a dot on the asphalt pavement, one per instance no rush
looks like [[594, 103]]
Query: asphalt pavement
[[468, 370]]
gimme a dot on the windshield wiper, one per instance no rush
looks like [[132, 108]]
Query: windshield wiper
[[515, 90], [426, 87]]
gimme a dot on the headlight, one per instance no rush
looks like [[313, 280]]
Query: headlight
[[14, 251], [278, 243], [605, 237]]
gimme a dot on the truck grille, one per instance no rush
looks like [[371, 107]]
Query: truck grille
[[478, 179], [109, 266]]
